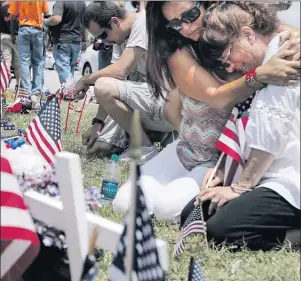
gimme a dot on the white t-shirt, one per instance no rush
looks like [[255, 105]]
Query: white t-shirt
[[274, 127], [137, 38]]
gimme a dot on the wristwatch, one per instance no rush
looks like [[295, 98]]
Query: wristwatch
[[252, 81], [96, 120]]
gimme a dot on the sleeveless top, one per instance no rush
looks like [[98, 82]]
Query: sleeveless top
[[200, 129]]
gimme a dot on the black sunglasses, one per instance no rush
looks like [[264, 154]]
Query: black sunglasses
[[103, 35], [188, 16]]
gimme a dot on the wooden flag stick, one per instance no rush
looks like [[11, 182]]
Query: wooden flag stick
[[81, 114], [90, 259], [215, 170], [59, 94], [10, 138], [67, 117], [17, 92], [212, 174], [135, 154], [93, 241]]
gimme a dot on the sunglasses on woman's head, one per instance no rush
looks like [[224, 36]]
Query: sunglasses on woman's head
[[188, 16]]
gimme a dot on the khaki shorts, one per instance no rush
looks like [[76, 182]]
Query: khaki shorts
[[137, 96]]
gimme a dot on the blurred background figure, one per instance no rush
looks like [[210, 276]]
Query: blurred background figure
[[104, 54], [67, 35], [289, 12], [8, 41], [139, 5], [282, 5], [105, 51], [30, 44]]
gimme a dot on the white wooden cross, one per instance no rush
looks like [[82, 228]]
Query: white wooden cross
[[70, 216]]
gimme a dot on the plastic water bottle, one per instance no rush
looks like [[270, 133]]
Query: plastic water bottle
[[111, 179]]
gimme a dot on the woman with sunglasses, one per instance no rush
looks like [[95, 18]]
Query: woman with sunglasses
[[173, 176], [260, 205]]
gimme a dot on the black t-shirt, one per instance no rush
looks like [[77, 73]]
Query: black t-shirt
[[5, 19], [69, 29]]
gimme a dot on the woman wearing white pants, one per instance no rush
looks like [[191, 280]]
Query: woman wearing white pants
[[167, 185], [176, 173]]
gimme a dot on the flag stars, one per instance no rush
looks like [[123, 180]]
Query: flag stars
[[193, 224], [195, 273], [244, 106], [139, 249], [146, 262], [139, 235], [50, 119], [138, 221]]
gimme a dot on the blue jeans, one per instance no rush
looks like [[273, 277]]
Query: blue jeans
[[43, 62], [65, 56], [30, 47], [104, 59]]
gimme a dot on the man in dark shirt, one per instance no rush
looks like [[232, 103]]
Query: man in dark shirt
[[67, 34], [8, 41]]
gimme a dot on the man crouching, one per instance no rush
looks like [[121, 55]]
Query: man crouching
[[116, 96]]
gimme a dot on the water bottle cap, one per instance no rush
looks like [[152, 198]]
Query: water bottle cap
[[115, 157]]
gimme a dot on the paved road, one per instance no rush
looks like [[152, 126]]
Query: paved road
[[51, 80]]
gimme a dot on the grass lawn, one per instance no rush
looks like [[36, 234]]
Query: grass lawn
[[258, 266]]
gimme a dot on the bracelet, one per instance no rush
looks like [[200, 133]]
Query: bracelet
[[240, 190], [252, 81]]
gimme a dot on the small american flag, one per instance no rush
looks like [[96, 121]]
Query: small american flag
[[194, 224], [44, 132], [146, 264], [22, 93], [232, 141], [4, 74], [19, 242], [195, 272]]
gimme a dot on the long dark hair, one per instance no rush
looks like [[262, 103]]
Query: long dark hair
[[162, 43]]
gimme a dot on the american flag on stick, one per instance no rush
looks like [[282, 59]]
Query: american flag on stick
[[146, 264], [19, 242], [194, 224], [44, 132], [137, 255], [195, 271], [232, 141], [4, 74], [22, 93]]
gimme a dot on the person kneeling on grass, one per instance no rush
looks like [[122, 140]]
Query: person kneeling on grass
[[259, 208], [116, 96]]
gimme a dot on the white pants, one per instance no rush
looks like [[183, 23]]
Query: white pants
[[166, 184]]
